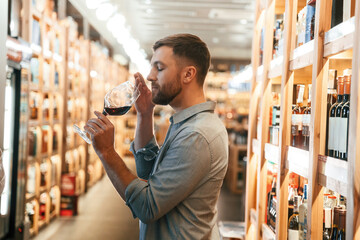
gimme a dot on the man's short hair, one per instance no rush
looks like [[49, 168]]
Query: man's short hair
[[190, 47]]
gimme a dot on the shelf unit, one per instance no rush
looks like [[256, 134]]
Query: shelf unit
[[335, 48], [61, 84], [76, 98], [232, 108], [98, 70], [42, 198]]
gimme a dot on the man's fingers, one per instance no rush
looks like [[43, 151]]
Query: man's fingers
[[97, 123], [102, 118], [139, 78], [91, 129]]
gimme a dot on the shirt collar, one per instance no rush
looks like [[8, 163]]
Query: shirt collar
[[191, 111]]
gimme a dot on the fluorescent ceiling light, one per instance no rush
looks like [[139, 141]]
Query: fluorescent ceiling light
[[115, 22], [93, 4], [104, 11]]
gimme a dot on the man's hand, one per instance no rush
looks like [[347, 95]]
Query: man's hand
[[144, 105], [101, 131]]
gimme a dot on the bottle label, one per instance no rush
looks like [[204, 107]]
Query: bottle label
[[343, 134], [306, 125], [337, 130], [300, 98], [306, 119], [293, 234], [331, 140], [296, 120]]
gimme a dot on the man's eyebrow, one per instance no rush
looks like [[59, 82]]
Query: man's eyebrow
[[157, 62]]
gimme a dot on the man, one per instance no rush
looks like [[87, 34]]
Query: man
[[183, 178]]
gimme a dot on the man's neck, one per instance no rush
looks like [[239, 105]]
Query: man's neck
[[186, 101]]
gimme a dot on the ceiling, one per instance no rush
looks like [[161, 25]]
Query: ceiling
[[226, 25]]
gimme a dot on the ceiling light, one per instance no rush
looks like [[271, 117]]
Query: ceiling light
[[215, 40], [104, 11], [243, 21], [116, 21], [93, 4], [148, 2]]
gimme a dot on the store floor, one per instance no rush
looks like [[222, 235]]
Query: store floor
[[104, 215]]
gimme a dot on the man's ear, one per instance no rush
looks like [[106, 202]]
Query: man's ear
[[189, 74]]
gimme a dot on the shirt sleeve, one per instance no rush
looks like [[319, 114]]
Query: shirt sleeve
[[145, 158], [185, 164]]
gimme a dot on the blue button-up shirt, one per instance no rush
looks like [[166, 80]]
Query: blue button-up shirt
[[184, 177]]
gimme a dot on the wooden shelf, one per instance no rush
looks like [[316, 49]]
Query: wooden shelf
[[253, 216], [36, 49], [240, 147], [267, 233], [276, 66], [310, 63], [302, 56], [53, 215], [339, 38], [41, 224], [42, 189], [29, 197], [34, 87], [298, 161], [333, 174], [259, 74], [256, 146], [272, 153], [34, 123]]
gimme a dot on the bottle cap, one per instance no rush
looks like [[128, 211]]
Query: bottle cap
[[347, 84], [340, 86]]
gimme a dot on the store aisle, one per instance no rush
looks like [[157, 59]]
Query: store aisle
[[104, 215]]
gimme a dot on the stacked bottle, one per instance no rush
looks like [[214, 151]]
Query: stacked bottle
[[339, 120]]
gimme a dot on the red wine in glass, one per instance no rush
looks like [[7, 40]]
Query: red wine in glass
[[117, 102], [118, 111]]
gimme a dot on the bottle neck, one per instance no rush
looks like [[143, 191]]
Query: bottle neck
[[340, 98], [346, 97]]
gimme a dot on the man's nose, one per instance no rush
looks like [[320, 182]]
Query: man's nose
[[151, 77]]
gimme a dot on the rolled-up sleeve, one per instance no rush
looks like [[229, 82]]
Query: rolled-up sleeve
[[145, 158], [186, 163]]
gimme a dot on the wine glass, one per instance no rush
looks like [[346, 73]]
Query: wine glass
[[117, 101]]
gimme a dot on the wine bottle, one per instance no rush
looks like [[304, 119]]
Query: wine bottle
[[337, 12], [335, 226], [332, 117], [338, 127], [271, 212], [303, 215], [291, 199], [296, 118], [306, 123], [344, 120], [342, 225], [293, 231], [331, 99]]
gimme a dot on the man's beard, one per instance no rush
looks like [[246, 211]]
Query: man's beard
[[167, 93]]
